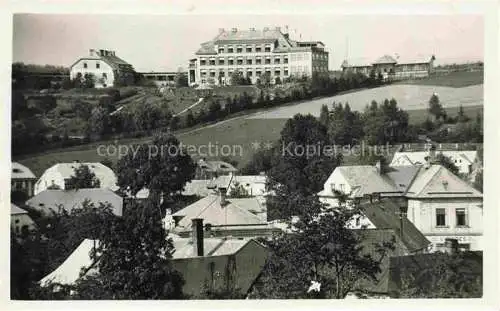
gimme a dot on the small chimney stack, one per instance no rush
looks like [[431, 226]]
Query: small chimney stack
[[92, 53], [222, 195], [197, 227], [451, 246]]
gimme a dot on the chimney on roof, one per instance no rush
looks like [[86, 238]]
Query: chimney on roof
[[197, 227], [221, 30], [381, 166], [451, 246], [101, 52], [92, 53], [222, 195]]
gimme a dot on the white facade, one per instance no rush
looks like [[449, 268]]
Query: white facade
[[425, 213], [58, 175], [464, 160], [103, 73]]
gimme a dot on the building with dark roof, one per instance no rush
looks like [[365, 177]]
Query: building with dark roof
[[438, 203], [22, 179], [392, 67], [256, 53], [105, 66]]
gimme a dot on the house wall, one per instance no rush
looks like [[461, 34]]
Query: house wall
[[422, 213], [237, 271], [104, 69], [27, 185], [48, 178]]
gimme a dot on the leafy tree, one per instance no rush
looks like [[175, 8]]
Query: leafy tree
[[83, 178], [299, 164], [163, 167], [461, 117], [98, 125], [134, 260], [345, 126], [450, 276], [324, 116], [385, 123], [435, 107], [88, 81], [237, 78], [190, 121], [447, 163], [321, 249]]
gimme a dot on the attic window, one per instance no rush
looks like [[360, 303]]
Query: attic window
[[223, 166], [41, 204], [445, 184], [16, 170]]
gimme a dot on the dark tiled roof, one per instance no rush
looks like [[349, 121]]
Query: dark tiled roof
[[402, 176], [386, 59], [384, 215]]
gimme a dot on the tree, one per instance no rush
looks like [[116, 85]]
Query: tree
[[83, 178], [447, 163], [237, 78], [299, 164], [461, 117], [134, 260], [181, 79], [321, 249], [88, 81], [163, 167], [190, 121], [435, 107], [98, 124]]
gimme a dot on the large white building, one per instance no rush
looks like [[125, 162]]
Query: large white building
[[440, 205], [104, 65], [256, 53]]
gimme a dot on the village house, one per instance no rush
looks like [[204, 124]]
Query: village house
[[20, 220], [438, 203], [214, 264], [465, 160], [22, 179], [104, 65], [58, 176], [50, 201]]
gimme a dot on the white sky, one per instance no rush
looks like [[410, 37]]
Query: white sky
[[165, 42]]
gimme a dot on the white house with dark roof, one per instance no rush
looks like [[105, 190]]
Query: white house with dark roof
[[22, 179], [58, 176], [49, 201], [463, 159], [255, 53], [438, 203], [104, 65]]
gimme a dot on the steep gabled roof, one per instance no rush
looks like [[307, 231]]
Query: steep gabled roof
[[417, 59], [365, 179], [20, 171], [436, 181], [16, 210], [402, 176]]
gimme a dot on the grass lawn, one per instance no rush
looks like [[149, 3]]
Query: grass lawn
[[453, 79]]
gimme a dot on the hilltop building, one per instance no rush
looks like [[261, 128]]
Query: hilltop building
[[58, 176], [392, 68], [256, 53], [106, 67]]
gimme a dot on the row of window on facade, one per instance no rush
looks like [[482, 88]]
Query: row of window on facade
[[80, 75], [247, 49], [97, 65], [258, 61], [249, 73], [460, 217]]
